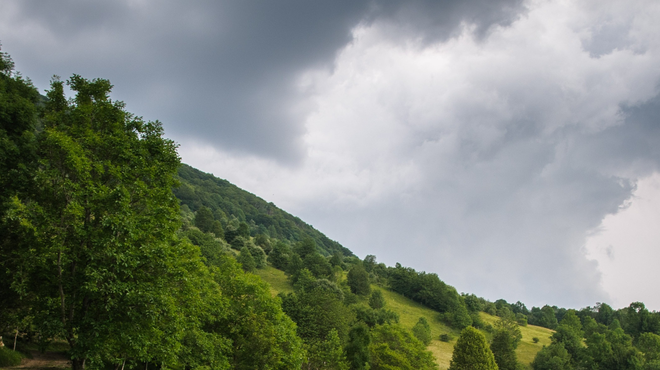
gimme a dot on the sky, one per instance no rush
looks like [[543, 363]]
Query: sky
[[510, 146]]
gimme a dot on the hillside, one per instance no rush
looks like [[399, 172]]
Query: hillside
[[224, 199], [409, 312]]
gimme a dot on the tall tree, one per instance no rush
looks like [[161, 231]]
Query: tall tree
[[96, 248], [506, 338]]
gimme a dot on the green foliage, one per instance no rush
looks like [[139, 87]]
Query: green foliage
[[553, 357], [373, 317], [357, 348], [504, 346], [430, 291], [317, 308], [422, 331], [257, 254], [262, 241], [369, 262], [280, 255], [393, 347], [471, 352], [326, 354], [337, 259], [246, 260], [9, 358], [446, 337], [199, 189], [318, 265], [99, 221], [649, 344], [211, 248], [358, 280], [18, 122], [544, 317], [262, 336], [204, 220], [376, 300]]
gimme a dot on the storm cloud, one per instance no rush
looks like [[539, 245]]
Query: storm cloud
[[481, 140]]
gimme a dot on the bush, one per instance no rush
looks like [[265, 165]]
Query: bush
[[535, 340], [446, 337], [9, 357]]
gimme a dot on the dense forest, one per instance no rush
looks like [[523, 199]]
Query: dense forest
[[110, 245]]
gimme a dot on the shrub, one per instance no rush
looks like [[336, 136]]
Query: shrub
[[9, 357], [446, 337], [535, 340]]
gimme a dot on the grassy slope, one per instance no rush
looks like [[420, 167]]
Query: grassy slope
[[409, 312], [527, 349]]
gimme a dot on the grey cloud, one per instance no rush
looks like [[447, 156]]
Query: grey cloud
[[221, 73], [433, 21]]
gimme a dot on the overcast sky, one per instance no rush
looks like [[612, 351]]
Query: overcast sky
[[512, 147]]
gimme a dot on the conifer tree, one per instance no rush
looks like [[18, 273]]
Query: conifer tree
[[422, 331], [472, 353]]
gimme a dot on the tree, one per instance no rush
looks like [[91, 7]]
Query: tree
[[553, 357], [506, 338], [358, 280], [327, 354], [422, 331], [204, 220], [357, 348], [317, 308], [471, 352], [280, 255], [96, 230], [18, 120], [246, 260], [262, 336], [393, 347], [376, 300]]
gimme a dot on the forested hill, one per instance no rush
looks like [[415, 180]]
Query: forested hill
[[227, 201]]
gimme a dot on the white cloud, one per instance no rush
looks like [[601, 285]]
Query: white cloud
[[627, 247], [460, 157]]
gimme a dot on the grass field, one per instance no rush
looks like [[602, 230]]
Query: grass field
[[409, 312], [276, 278]]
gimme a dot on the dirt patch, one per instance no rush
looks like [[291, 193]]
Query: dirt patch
[[48, 360]]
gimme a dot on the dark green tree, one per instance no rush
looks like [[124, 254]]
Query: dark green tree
[[505, 340], [204, 220], [553, 357], [18, 121], [357, 348], [280, 255], [471, 352], [217, 229], [358, 280]]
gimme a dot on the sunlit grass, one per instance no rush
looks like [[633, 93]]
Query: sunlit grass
[[276, 278]]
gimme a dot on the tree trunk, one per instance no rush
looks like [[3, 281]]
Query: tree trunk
[[77, 364], [15, 336]]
